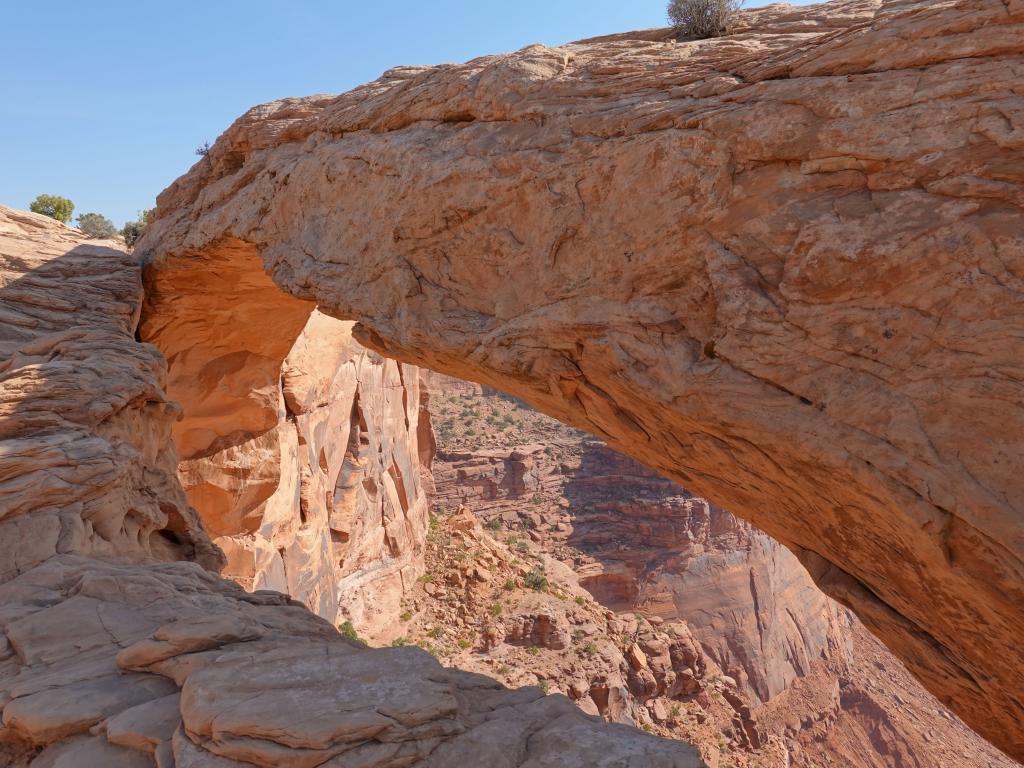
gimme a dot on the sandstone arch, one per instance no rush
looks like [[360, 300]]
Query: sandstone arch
[[784, 268]]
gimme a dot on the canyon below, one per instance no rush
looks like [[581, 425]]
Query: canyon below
[[636, 403]]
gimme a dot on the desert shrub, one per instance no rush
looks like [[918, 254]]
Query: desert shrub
[[494, 524], [350, 632], [203, 149], [96, 226], [132, 230], [406, 616], [399, 642], [701, 19], [497, 609], [54, 206], [536, 580], [463, 643], [590, 648]]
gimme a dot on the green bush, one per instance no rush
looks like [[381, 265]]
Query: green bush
[[54, 206], [132, 230], [350, 632], [536, 580], [96, 226], [701, 19]]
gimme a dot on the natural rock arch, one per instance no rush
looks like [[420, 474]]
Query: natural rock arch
[[783, 268]]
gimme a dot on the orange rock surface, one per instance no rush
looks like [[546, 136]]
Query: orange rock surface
[[782, 267]]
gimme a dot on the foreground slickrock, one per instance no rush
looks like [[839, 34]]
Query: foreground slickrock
[[783, 268], [171, 666], [112, 656]]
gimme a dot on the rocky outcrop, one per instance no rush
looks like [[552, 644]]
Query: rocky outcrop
[[327, 505], [110, 657], [782, 265], [86, 463], [171, 666]]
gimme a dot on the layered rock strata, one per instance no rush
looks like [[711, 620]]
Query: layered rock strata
[[109, 657], [495, 602], [639, 542], [328, 505], [781, 265], [86, 462]]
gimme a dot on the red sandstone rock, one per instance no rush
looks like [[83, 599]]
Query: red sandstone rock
[[782, 267]]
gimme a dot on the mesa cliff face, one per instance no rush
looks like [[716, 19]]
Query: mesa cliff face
[[782, 268], [637, 542]]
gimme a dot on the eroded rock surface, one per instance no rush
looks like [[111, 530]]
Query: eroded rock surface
[[86, 463], [782, 268], [328, 505], [170, 665], [735, 651]]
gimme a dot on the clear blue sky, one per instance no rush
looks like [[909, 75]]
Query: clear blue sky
[[105, 101]]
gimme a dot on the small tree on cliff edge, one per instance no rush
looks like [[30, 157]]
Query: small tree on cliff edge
[[54, 206], [97, 226], [701, 19]]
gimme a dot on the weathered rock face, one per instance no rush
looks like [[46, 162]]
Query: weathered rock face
[[327, 506], [86, 463], [109, 662], [747, 599], [783, 265]]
